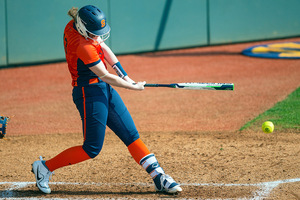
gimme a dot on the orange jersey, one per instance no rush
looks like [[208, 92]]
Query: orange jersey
[[81, 54]]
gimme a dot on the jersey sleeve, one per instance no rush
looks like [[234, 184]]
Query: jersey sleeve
[[88, 54]]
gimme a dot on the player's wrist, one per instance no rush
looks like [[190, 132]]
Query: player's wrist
[[126, 78]]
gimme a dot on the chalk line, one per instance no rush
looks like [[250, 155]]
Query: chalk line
[[263, 191]]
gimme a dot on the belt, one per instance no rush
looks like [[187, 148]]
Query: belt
[[91, 81]]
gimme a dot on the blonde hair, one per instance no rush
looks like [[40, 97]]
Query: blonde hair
[[73, 12]]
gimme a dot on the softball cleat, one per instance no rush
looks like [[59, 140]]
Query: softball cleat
[[165, 183], [42, 175]]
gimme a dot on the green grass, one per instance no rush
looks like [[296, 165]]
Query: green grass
[[285, 115]]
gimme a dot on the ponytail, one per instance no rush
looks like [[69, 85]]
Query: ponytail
[[73, 12]]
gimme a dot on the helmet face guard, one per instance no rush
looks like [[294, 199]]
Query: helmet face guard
[[91, 23]]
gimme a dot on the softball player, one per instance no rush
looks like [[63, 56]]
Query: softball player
[[98, 103]]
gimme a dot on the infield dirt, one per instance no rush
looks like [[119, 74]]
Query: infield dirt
[[194, 134]]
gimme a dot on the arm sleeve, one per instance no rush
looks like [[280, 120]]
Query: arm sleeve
[[119, 70], [89, 55]]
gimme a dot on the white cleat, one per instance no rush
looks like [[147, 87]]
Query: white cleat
[[42, 175], [168, 185]]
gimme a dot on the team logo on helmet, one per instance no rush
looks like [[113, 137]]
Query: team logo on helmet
[[103, 23]]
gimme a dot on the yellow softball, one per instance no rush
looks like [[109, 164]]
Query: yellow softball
[[268, 127]]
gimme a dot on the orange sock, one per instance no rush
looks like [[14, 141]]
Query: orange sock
[[70, 156], [138, 150]]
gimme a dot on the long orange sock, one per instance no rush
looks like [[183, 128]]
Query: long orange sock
[[70, 156], [138, 150]]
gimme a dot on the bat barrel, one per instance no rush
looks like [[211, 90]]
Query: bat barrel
[[196, 86]]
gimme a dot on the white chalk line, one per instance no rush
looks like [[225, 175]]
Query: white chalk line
[[265, 188]]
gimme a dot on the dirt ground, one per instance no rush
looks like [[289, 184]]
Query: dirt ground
[[194, 134]]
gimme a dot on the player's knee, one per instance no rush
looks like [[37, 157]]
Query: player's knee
[[91, 150], [130, 138]]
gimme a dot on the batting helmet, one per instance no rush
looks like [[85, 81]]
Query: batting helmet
[[91, 20]]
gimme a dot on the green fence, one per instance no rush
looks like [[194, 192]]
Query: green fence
[[32, 30]]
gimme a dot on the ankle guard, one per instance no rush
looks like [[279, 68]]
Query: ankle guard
[[150, 164]]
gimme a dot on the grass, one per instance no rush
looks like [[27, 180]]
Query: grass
[[285, 115]]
